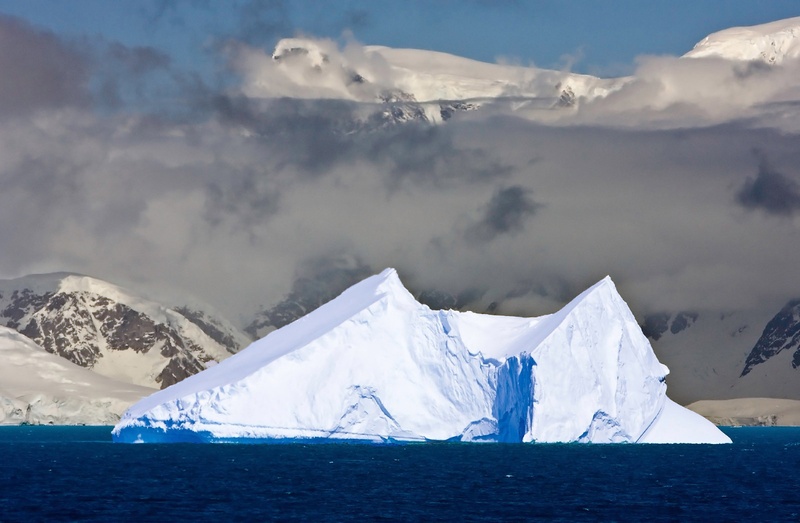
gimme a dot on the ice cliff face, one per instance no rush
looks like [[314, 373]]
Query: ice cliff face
[[376, 365]]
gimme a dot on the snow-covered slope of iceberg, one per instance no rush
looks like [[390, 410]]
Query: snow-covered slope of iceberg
[[376, 365]]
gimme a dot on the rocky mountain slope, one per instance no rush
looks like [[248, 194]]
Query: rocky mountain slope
[[729, 354], [782, 333], [113, 332]]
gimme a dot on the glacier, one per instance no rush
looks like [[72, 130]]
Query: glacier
[[40, 388], [375, 365]]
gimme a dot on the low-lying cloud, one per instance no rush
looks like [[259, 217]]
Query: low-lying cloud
[[654, 185], [37, 71], [770, 191], [505, 213]]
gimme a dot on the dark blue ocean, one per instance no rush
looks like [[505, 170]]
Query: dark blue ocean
[[77, 474]]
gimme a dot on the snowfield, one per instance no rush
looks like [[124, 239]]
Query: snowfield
[[773, 43], [375, 365], [41, 388]]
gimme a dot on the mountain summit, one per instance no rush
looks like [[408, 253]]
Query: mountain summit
[[772, 42], [376, 365]]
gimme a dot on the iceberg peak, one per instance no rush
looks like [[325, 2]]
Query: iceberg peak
[[386, 283]]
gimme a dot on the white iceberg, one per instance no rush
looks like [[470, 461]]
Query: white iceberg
[[376, 365]]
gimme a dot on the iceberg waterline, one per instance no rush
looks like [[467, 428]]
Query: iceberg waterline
[[376, 365]]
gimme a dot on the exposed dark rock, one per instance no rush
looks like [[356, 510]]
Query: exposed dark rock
[[80, 326], [567, 98], [397, 107], [441, 300], [290, 53], [781, 333], [71, 335], [437, 300], [21, 302], [448, 109], [126, 328], [320, 286], [178, 369], [212, 331]]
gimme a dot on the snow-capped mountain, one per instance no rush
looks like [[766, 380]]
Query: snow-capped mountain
[[309, 291], [400, 85], [37, 387], [782, 333], [389, 86], [434, 76], [113, 332], [729, 354], [374, 364], [772, 43]]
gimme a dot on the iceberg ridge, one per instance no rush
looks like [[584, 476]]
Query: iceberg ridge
[[375, 365]]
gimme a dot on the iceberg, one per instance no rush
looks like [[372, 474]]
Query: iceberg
[[375, 365]]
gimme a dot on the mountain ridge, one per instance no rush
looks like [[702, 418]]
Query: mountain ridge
[[772, 42], [104, 327]]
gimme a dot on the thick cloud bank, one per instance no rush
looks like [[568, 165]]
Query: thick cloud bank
[[682, 182]]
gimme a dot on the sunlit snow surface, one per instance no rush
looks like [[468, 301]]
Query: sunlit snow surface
[[773, 42], [376, 365], [37, 387]]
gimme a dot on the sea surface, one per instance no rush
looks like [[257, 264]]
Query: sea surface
[[77, 474]]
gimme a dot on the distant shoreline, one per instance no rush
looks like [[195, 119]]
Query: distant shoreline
[[750, 412]]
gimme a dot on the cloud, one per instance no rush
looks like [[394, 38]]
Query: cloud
[[673, 92], [770, 191], [38, 71], [505, 213], [248, 189], [311, 68], [227, 206]]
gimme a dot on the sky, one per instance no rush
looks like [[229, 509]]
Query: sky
[[601, 38], [144, 143]]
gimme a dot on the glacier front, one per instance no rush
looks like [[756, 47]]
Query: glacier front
[[376, 365]]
